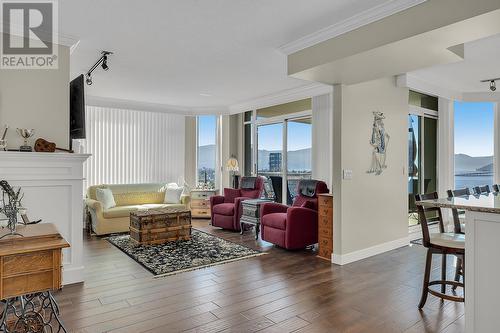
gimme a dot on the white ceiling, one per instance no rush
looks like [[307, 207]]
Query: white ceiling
[[482, 61], [169, 52]]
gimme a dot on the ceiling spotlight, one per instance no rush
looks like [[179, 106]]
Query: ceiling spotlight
[[493, 85], [88, 80], [105, 63]]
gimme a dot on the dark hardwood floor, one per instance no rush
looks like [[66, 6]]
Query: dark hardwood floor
[[280, 292]]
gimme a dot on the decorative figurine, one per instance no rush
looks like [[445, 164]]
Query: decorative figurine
[[11, 201], [379, 142]]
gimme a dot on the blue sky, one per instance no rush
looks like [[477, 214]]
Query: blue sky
[[270, 136], [474, 128], [206, 130]]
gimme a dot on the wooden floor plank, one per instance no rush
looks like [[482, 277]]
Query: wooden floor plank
[[283, 291]]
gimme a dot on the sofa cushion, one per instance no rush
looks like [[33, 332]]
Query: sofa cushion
[[123, 211], [105, 197], [138, 198], [275, 220], [119, 211], [224, 209]]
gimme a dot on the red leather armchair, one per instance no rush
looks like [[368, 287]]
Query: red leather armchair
[[294, 227], [226, 210]]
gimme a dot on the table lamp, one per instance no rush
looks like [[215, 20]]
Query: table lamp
[[232, 167]]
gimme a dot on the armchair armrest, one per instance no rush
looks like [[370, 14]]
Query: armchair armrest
[[272, 207], [301, 216], [301, 227], [216, 200]]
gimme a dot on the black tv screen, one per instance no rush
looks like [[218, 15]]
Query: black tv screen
[[77, 109]]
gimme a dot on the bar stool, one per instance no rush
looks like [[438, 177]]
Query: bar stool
[[478, 190], [439, 243], [459, 226]]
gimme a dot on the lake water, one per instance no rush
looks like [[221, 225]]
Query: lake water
[[472, 181]]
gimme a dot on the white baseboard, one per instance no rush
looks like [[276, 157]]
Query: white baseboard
[[72, 275], [347, 258]]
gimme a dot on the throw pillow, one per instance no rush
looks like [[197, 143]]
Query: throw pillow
[[173, 195], [308, 204], [105, 197]]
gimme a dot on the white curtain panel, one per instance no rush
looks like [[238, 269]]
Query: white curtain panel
[[130, 146]]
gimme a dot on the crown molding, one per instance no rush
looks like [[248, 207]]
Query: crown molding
[[354, 22], [414, 83], [153, 107], [284, 96]]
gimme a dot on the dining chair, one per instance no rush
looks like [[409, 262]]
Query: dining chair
[[439, 243], [478, 190]]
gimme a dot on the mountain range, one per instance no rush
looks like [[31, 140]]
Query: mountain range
[[298, 160], [464, 163]]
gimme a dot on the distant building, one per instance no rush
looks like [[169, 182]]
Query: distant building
[[274, 162]]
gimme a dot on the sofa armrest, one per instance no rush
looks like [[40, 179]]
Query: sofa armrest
[[94, 205], [185, 200], [272, 207]]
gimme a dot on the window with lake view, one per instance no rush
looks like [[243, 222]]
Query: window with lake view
[[474, 133]]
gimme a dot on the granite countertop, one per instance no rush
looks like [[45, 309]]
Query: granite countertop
[[484, 203]]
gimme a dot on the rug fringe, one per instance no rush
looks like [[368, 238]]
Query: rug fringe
[[208, 265]]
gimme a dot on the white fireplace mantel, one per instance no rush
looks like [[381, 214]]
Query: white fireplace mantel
[[53, 191]]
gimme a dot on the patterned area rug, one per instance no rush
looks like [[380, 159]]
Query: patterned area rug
[[202, 250]]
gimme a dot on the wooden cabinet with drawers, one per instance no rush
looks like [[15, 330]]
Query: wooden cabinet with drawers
[[200, 203], [325, 226]]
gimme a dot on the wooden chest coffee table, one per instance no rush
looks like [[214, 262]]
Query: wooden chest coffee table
[[158, 226]]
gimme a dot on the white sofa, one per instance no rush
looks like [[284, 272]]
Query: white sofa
[[128, 198]]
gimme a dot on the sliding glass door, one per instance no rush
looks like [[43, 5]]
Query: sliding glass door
[[422, 159], [284, 153]]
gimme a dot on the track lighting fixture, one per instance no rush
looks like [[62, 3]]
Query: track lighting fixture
[[103, 61], [493, 85]]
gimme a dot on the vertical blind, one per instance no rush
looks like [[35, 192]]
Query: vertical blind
[[130, 146]]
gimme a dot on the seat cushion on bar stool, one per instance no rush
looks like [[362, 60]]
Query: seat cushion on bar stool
[[450, 239]]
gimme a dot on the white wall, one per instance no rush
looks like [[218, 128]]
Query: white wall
[[130, 146], [321, 138], [371, 216], [38, 99]]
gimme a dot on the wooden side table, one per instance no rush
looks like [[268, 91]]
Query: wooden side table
[[251, 214], [200, 203], [30, 269]]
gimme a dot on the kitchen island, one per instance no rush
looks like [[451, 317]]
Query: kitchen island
[[482, 250]]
